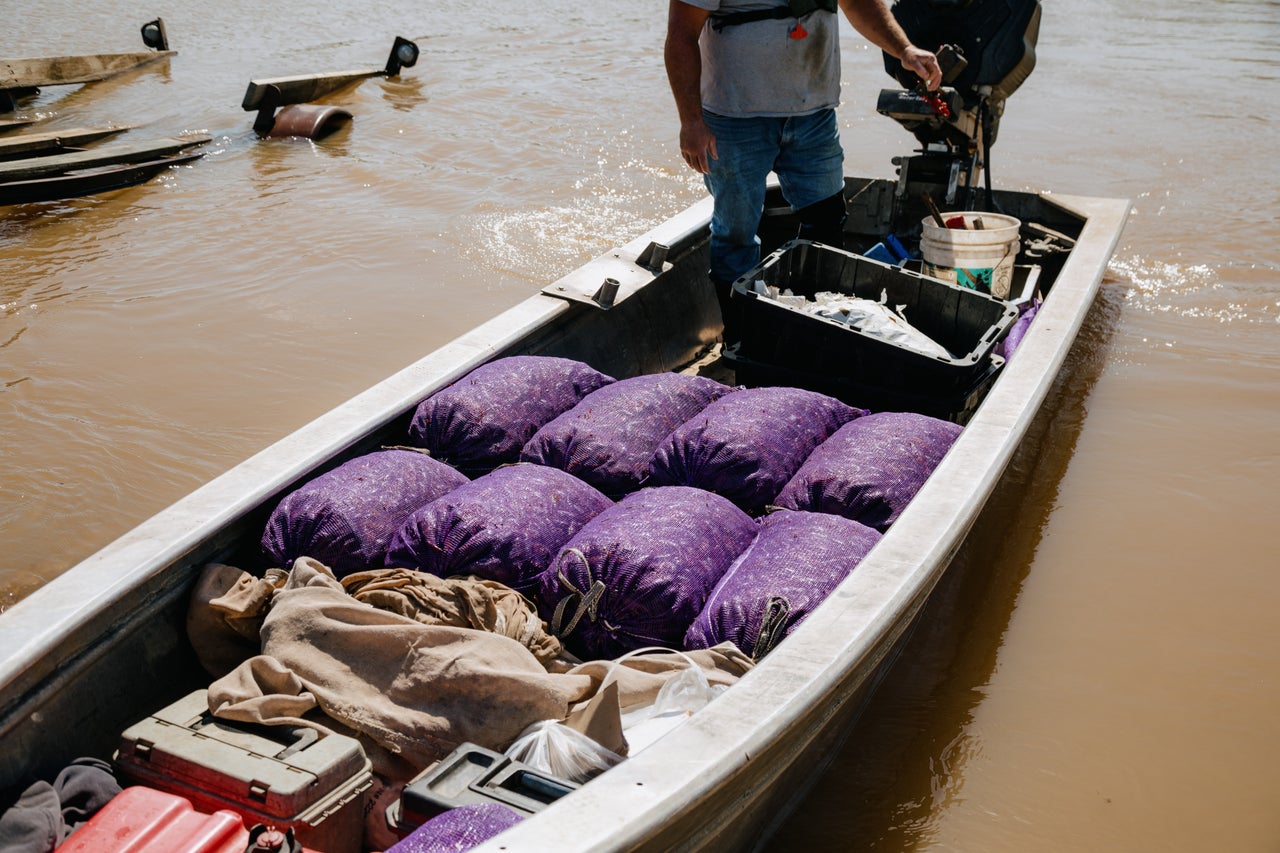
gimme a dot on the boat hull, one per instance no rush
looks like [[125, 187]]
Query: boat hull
[[104, 644], [88, 182]]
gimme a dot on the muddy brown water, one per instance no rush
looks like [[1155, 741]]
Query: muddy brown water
[[1101, 669]]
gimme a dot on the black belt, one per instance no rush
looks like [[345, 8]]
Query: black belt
[[793, 10]]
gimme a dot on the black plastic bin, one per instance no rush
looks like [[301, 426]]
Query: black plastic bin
[[956, 406], [968, 324]]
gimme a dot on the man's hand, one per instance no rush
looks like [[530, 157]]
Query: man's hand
[[698, 146], [875, 22], [924, 65]]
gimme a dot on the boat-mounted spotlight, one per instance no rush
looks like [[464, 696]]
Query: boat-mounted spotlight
[[404, 54], [153, 35]]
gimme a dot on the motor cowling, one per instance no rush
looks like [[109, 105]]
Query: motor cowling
[[997, 39]]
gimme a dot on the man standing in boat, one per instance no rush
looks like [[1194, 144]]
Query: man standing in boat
[[756, 83]]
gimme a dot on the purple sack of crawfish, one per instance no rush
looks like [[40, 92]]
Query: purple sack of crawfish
[[346, 517], [748, 444], [639, 573], [482, 420], [871, 468], [795, 562], [609, 438], [505, 526], [1018, 331], [458, 829]]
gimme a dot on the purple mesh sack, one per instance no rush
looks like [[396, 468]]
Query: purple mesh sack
[[639, 573], [458, 829], [1018, 331], [346, 517], [795, 562], [871, 468], [748, 444], [482, 420], [505, 526], [609, 438]]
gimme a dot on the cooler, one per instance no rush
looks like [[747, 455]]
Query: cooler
[[292, 778]]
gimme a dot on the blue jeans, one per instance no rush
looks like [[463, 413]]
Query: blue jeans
[[805, 153]]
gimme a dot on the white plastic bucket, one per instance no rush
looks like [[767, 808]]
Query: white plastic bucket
[[980, 259]]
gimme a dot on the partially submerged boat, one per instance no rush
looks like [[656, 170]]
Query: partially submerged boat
[[24, 77], [37, 167], [55, 166], [53, 142], [104, 645], [283, 103]]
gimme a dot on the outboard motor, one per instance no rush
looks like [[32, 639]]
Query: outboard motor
[[986, 49]]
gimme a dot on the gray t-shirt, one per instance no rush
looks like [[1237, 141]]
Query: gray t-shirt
[[758, 69]]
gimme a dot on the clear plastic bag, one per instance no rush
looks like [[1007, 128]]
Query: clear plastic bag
[[563, 752], [683, 694], [877, 319]]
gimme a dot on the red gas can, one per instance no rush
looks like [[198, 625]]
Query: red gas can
[[144, 820], [141, 819]]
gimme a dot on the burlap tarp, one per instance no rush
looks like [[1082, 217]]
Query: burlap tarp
[[415, 690], [229, 605], [461, 602]]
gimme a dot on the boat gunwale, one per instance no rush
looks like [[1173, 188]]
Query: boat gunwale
[[73, 70]]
